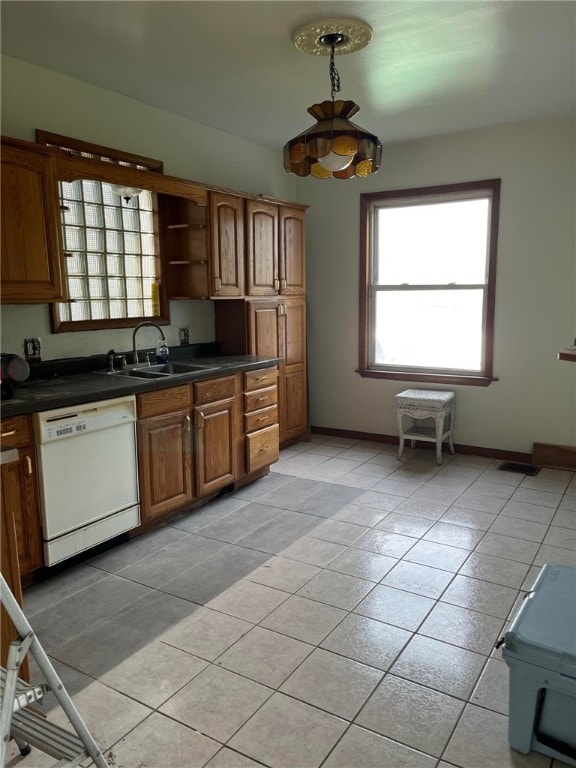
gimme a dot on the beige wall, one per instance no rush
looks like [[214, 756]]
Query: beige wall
[[534, 398], [38, 98]]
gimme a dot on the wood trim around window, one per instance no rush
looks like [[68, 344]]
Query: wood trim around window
[[482, 379], [118, 155]]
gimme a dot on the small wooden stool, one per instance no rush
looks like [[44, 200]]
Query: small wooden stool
[[426, 404]]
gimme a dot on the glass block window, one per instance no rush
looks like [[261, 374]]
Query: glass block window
[[110, 242], [111, 252]]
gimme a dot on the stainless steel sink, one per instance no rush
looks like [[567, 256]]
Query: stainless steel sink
[[163, 370]]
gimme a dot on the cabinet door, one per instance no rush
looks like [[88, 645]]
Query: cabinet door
[[20, 497], [265, 336], [164, 463], [293, 386], [262, 245], [215, 432], [292, 252], [11, 573], [32, 257], [227, 244]]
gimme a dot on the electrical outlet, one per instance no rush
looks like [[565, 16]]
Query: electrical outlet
[[32, 349]]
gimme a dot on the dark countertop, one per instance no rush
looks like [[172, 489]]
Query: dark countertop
[[76, 388]]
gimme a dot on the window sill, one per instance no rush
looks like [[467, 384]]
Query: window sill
[[429, 378]]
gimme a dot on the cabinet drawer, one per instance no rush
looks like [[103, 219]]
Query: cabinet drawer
[[214, 389], [16, 431], [262, 448], [264, 377], [259, 419], [164, 401], [261, 398]]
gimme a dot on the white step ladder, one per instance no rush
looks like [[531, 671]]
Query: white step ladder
[[26, 726]]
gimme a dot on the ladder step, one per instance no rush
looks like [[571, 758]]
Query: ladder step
[[47, 736]]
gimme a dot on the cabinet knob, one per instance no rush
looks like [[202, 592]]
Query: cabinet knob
[[9, 434]]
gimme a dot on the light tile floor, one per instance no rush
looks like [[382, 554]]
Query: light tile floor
[[341, 612]]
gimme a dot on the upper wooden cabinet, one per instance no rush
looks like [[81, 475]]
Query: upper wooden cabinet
[[184, 247], [226, 245], [32, 255], [262, 248], [292, 262], [275, 242]]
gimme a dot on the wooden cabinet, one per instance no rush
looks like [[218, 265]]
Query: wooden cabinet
[[32, 268], [227, 245], [261, 418], [278, 329], [275, 258], [164, 451], [215, 420], [292, 261], [10, 567], [183, 229], [262, 248], [19, 491]]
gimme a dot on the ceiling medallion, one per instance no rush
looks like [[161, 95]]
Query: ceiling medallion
[[335, 147], [308, 38]]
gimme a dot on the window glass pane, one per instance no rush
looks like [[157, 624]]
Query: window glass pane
[[146, 222], [73, 213], [96, 264], [429, 329], [71, 190], [135, 308], [132, 265], [75, 264], [131, 242], [77, 288], [432, 244], [149, 266], [79, 310], [115, 265], [92, 191], [114, 242], [116, 287], [97, 287], [134, 288], [95, 240], [148, 244], [145, 201], [130, 219], [74, 239], [99, 310], [93, 215], [117, 309], [113, 217]]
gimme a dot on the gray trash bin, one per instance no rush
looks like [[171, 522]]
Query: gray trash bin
[[540, 651]]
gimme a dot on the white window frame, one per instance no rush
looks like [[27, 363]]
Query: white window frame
[[370, 205]]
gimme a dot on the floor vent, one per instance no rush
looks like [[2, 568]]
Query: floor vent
[[523, 469]]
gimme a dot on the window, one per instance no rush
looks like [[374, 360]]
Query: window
[[110, 243], [427, 284]]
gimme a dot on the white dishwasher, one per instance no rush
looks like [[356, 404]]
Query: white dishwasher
[[88, 475]]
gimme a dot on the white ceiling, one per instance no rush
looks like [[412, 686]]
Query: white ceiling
[[432, 67]]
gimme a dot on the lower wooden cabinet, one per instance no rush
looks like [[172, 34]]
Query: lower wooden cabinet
[[19, 492], [165, 466], [215, 433], [261, 418]]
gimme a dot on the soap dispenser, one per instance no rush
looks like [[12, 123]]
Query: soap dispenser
[[162, 351]]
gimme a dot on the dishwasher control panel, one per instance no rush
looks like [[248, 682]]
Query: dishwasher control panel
[[64, 423], [65, 427]]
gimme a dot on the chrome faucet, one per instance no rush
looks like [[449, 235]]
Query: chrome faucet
[[141, 325]]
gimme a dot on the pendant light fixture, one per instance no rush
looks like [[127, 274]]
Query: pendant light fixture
[[335, 147]]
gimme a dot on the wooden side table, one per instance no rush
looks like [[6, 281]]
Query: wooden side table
[[426, 404]]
